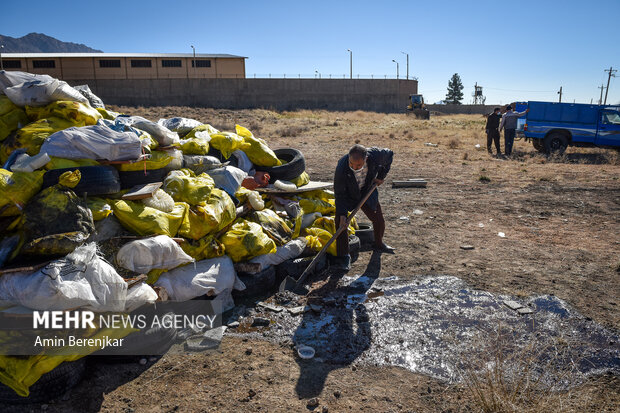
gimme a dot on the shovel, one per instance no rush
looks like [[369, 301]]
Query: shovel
[[290, 283]]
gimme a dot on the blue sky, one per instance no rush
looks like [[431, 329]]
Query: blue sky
[[516, 50]]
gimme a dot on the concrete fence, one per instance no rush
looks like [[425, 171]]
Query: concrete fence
[[463, 109], [378, 95]]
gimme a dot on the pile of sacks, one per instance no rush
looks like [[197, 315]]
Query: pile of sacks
[[68, 162]]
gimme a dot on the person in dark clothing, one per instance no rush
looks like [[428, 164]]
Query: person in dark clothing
[[493, 132], [354, 176]]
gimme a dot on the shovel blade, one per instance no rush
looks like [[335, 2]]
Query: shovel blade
[[290, 284]]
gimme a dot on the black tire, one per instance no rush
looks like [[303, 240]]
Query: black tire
[[555, 142], [256, 284], [96, 180], [295, 165], [538, 145], [354, 247], [51, 385], [130, 179], [365, 233], [295, 267]]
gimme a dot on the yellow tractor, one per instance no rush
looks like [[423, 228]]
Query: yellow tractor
[[417, 107]]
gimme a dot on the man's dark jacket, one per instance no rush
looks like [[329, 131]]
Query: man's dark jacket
[[346, 190], [493, 122]]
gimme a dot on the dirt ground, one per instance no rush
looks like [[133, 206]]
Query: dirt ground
[[560, 217]]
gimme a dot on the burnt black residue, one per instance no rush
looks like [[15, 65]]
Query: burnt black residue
[[441, 327]]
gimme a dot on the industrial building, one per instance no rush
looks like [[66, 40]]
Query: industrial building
[[95, 66]]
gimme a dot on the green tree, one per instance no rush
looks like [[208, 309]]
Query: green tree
[[455, 90]]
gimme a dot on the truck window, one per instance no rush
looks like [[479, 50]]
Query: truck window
[[612, 118]]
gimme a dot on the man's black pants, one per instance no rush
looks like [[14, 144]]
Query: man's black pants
[[493, 136], [509, 139], [378, 225]]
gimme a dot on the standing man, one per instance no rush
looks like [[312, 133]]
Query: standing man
[[492, 131], [355, 174], [509, 123]]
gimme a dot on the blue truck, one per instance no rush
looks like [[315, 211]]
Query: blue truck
[[553, 127]]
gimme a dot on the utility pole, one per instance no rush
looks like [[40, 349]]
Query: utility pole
[[1, 65], [611, 73], [560, 93], [600, 101], [407, 64]]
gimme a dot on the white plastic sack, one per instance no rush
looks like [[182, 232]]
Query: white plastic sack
[[243, 162], [93, 99], [200, 163], [93, 142], [14, 78], [38, 93], [308, 219], [159, 252], [182, 126], [227, 178], [204, 277], [290, 250], [163, 136], [80, 280], [138, 295]]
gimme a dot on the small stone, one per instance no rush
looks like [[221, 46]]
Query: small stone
[[513, 305], [234, 324], [274, 308], [271, 358], [524, 310], [315, 307], [248, 351], [251, 393], [467, 247], [337, 394], [298, 310], [312, 403], [142, 362], [260, 322], [325, 409]]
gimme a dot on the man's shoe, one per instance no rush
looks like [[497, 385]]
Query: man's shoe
[[384, 248], [341, 264]]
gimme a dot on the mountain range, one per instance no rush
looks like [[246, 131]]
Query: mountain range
[[41, 43]]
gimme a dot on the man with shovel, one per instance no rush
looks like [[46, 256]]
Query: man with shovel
[[355, 175]]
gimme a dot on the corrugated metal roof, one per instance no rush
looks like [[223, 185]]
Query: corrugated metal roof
[[108, 55]]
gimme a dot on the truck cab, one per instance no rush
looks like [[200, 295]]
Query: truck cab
[[553, 127]]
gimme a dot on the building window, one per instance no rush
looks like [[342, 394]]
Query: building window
[[140, 63], [171, 63], [12, 64], [201, 63], [43, 64], [109, 63]]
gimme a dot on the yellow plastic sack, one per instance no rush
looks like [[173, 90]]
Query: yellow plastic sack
[[100, 208], [317, 194], [246, 240], [317, 238], [33, 135], [71, 111], [16, 189], [301, 180], [318, 205], [143, 220], [328, 224], [200, 131], [61, 163], [105, 114], [70, 179], [227, 143], [11, 117], [198, 145], [213, 215], [204, 249], [158, 160], [257, 149], [184, 186], [148, 142], [272, 225]]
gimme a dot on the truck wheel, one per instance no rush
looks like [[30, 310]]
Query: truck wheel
[[555, 143], [538, 145]]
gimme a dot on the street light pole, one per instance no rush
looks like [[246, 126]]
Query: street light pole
[[194, 61], [1, 65], [407, 64], [396, 68], [350, 63]]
